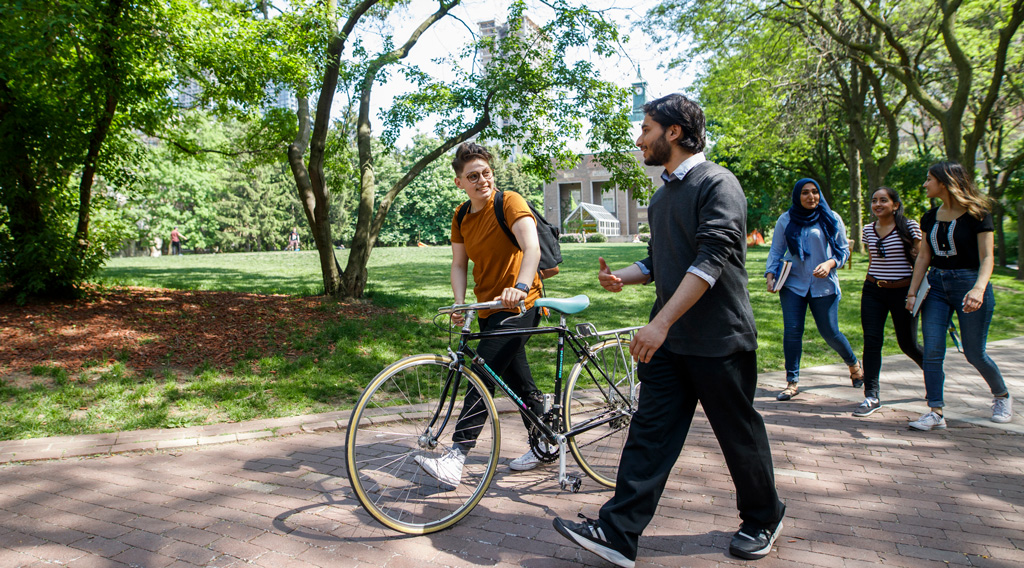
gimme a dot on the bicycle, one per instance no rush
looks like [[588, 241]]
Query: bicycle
[[411, 409]]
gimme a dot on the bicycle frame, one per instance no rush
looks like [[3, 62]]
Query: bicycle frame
[[464, 352]]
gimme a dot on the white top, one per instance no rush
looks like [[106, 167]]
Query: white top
[[894, 266]]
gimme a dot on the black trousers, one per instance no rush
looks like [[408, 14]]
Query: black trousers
[[671, 386], [875, 306], [175, 247], [506, 356]]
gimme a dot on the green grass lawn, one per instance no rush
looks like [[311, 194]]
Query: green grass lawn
[[345, 355]]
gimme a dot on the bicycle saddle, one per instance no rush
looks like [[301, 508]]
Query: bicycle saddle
[[565, 305]]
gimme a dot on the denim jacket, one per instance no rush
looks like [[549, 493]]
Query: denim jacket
[[816, 251]]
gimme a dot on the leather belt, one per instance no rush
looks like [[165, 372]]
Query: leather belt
[[901, 283]]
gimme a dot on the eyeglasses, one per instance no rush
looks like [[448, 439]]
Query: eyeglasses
[[881, 249], [475, 177]]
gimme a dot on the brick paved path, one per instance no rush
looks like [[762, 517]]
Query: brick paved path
[[860, 492]]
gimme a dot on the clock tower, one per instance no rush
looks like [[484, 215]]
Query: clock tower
[[639, 88]]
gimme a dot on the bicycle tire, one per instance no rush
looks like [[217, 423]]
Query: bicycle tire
[[589, 396], [384, 436]]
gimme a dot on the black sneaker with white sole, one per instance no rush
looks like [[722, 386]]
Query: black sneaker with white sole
[[589, 535], [867, 407], [754, 544]]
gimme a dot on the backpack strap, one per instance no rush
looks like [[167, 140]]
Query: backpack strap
[[463, 211], [499, 212]]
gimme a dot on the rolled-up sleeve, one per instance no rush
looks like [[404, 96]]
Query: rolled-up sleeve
[[778, 248], [721, 224], [647, 265], [843, 254]]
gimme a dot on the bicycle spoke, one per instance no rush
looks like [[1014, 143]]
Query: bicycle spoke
[[600, 400], [387, 434]]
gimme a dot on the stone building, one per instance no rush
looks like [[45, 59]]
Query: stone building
[[585, 184]]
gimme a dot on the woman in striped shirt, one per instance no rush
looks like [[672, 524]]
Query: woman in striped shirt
[[893, 242]]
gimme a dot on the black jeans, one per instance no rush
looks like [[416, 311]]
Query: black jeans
[[875, 306], [506, 356], [672, 386]]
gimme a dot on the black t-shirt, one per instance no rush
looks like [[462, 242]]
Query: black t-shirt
[[954, 244]]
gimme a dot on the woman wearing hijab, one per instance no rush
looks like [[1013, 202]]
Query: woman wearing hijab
[[813, 238]]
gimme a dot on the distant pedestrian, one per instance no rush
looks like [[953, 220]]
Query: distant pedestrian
[[815, 239], [959, 262], [893, 242], [176, 239], [293, 240]]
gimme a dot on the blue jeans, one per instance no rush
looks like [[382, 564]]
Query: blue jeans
[[948, 288], [826, 316]]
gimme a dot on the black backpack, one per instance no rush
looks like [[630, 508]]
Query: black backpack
[[547, 235]]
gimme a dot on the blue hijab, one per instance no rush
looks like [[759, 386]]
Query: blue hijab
[[800, 217]]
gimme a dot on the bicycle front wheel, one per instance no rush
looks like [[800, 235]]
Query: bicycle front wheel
[[600, 399], [397, 424]]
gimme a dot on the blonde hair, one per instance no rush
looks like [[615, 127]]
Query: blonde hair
[[961, 188]]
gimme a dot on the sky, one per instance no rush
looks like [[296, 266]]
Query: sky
[[451, 34]]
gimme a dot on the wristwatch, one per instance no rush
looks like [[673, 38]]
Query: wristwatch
[[522, 287]]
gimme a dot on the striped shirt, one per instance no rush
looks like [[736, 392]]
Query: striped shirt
[[894, 265]]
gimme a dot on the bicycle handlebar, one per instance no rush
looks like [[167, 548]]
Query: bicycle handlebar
[[493, 305]]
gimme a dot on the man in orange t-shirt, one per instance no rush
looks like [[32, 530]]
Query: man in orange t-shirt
[[503, 272]]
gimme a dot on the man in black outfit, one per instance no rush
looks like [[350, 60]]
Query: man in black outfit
[[699, 345]]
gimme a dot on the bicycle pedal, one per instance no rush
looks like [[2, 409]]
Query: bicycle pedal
[[572, 482]]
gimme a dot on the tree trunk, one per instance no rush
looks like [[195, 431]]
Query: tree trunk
[[1020, 240], [103, 122], [856, 204], [316, 214], [309, 180], [997, 218]]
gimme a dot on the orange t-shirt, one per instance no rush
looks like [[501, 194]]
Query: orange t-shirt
[[496, 260]]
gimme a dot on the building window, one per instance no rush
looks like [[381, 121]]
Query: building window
[[608, 200]]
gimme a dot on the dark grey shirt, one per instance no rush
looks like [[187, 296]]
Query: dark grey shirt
[[700, 222]]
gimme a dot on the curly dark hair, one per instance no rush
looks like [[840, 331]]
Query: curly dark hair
[[467, 152]]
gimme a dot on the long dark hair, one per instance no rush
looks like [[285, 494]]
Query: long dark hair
[[902, 226], [961, 188]]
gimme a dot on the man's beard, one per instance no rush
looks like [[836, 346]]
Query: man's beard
[[660, 152]]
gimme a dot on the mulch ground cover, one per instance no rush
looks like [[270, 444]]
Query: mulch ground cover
[[146, 328]]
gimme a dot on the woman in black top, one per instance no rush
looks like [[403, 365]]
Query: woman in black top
[[959, 261]]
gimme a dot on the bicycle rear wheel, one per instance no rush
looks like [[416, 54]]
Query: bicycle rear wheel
[[394, 422], [601, 394]]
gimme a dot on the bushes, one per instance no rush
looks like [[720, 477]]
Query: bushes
[[582, 238]]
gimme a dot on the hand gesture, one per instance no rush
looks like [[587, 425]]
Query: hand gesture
[[822, 270], [608, 281]]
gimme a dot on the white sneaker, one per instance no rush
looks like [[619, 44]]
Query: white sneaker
[[529, 460], [447, 469], [929, 421], [1002, 409], [525, 462]]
